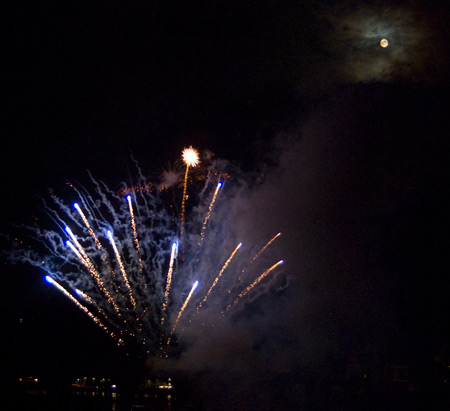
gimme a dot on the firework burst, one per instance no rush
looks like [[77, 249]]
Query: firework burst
[[115, 255]]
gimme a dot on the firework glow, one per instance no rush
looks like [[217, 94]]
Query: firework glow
[[115, 255]]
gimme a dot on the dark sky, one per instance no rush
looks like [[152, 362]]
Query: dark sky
[[355, 138]]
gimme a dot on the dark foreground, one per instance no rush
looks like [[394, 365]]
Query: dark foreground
[[62, 395]]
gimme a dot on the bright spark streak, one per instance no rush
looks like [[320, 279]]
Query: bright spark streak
[[262, 250], [136, 241], [194, 286], [87, 263], [169, 278], [208, 214], [76, 242], [90, 301], [80, 306], [85, 296], [219, 275], [84, 259], [254, 283], [88, 226], [77, 253], [133, 225], [183, 205], [122, 268]]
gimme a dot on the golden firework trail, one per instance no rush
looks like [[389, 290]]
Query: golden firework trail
[[219, 275], [135, 237], [96, 320], [133, 226], [191, 159], [122, 268], [85, 260], [261, 251], [169, 279], [87, 298], [208, 214], [254, 283], [91, 301], [88, 226], [76, 242], [194, 286]]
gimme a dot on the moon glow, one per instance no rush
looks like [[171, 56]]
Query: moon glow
[[384, 43]]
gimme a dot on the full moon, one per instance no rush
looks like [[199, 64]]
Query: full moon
[[384, 43]]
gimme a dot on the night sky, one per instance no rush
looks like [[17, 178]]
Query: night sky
[[351, 142]]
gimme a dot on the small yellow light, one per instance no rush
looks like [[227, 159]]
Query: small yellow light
[[384, 43]]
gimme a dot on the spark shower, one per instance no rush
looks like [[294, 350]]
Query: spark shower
[[145, 263]]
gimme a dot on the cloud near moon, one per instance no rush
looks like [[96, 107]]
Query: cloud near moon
[[353, 43]]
